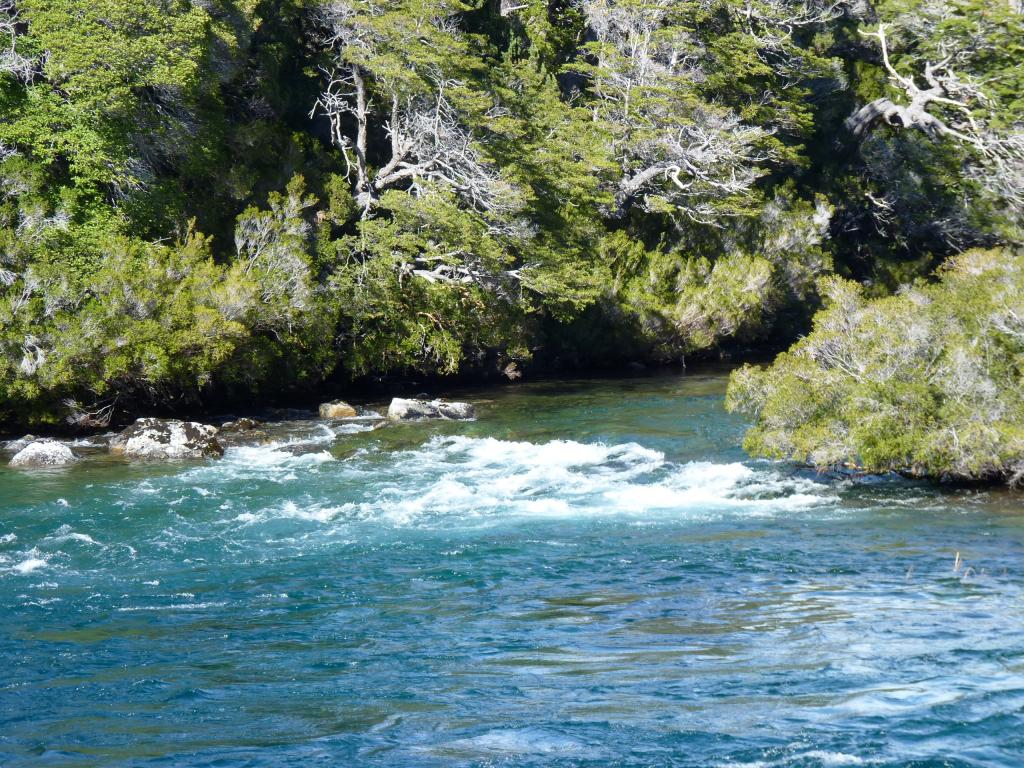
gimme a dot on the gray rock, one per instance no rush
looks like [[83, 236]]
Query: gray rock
[[44, 453], [456, 411], [167, 439], [409, 410], [337, 409], [19, 443]]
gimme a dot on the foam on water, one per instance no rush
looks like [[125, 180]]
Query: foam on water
[[276, 461], [814, 757], [567, 477], [446, 482], [66, 534], [173, 607], [291, 510], [479, 480], [507, 742], [271, 457], [33, 561], [29, 565]]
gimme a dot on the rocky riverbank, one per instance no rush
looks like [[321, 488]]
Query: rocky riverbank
[[153, 439]]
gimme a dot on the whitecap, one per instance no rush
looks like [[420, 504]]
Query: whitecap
[[271, 456], [519, 742], [82, 537], [30, 564], [291, 510], [353, 427], [85, 442], [710, 486], [66, 533], [818, 757], [466, 478], [833, 758], [483, 481], [173, 607], [277, 462]]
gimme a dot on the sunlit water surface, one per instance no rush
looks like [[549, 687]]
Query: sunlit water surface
[[592, 574]]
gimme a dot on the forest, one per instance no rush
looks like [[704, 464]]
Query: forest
[[211, 199]]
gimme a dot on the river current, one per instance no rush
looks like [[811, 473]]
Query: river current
[[590, 574]]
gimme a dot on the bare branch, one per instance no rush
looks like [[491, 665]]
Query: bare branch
[[428, 140], [1000, 155], [669, 149], [12, 62], [943, 83]]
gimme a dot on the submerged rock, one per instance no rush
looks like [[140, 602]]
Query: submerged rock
[[241, 425], [44, 453], [337, 409], [243, 431], [167, 439], [408, 410]]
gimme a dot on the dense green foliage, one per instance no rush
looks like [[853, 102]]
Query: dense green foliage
[[928, 382], [264, 195]]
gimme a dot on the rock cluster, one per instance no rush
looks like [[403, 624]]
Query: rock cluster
[[150, 438], [167, 439], [409, 410]]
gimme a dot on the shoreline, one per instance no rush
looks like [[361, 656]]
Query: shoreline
[[290, 424], [366, 394]]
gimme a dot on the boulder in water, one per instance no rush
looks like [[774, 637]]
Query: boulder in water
[[44, 453], [167, 439], [244, 431], [337, 409], [241, 425], [409, 410], [19, 443]]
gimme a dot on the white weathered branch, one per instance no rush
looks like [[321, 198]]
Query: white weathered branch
[[942, 82], [12, 62], [428, 140], [999, 165], [688, 156]]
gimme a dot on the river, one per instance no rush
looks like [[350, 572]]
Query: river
[[590, 574]]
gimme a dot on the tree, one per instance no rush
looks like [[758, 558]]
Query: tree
[[12, 61], [511, 207], [679, 113], [489, 183], [114, 96], [927, 383], [956, 108], [938, 130], [273, 252], [414, 59], [670, 145]]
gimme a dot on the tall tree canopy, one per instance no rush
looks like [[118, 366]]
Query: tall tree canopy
[[267, 194]]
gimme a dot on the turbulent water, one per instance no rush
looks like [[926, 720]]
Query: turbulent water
[[591, 574]]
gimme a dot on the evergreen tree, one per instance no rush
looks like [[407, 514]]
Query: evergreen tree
[[201, 198]]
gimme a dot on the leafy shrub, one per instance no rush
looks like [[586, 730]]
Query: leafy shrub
[[927, 382]]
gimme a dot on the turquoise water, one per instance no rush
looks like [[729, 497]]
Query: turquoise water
[[591, 574]]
